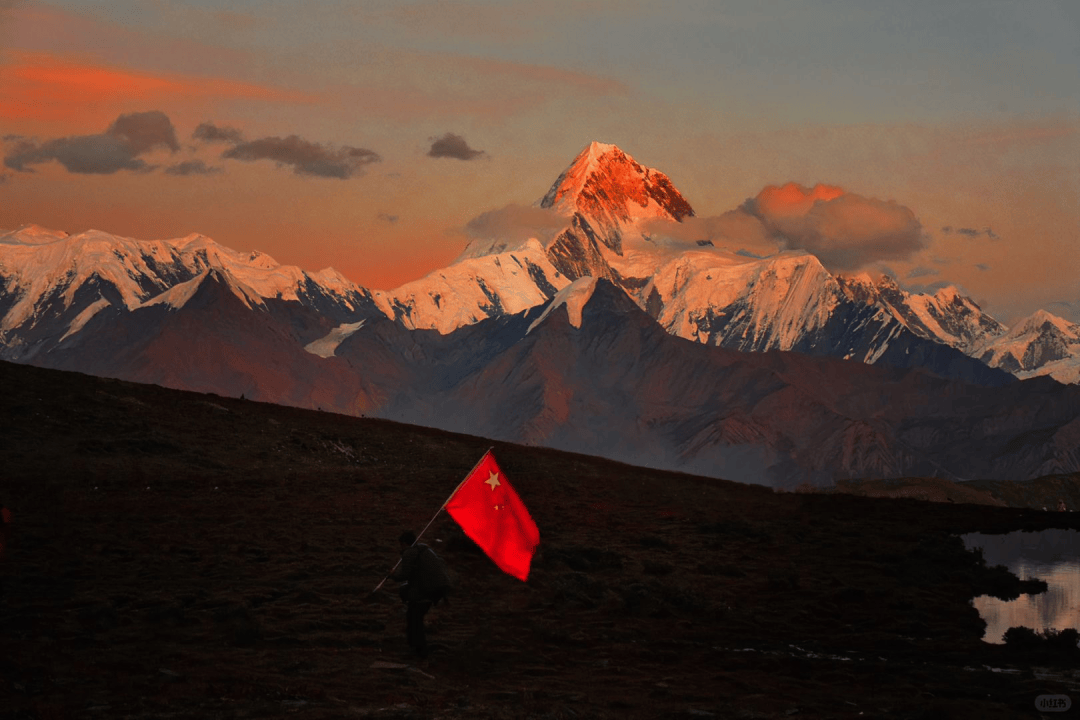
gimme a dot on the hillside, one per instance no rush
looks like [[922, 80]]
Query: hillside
[[193, 556]]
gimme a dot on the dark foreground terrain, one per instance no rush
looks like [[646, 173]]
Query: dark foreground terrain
[[190, 556]]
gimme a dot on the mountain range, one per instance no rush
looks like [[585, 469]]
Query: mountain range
[[602, 334]]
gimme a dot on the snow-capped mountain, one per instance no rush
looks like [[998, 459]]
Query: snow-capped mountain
[[608, 198], [603, 200], [474, 288], [946, 316], [791, 302], [610, 207], [52, 284], [1042, 344], [212, 335]]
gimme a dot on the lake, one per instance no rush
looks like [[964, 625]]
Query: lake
[[1050, 555]]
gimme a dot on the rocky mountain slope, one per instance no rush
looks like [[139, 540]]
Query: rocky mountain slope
[[594, 373]]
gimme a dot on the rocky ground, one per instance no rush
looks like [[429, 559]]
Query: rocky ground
[[189, 556]]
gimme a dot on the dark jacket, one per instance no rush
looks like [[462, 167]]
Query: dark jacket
[[425, 574]]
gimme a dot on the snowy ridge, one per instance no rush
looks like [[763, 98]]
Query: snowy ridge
[[31, 235], [947, 316], [178, 296], [84, 317], [327, 346], [769, 304], [55, 271], [141, 269], [475, 288], [52, 284], [573, 297], [1041, 344]]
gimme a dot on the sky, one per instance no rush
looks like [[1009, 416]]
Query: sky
[[369, 136]]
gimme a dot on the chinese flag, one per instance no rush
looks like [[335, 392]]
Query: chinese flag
[[492, 514]]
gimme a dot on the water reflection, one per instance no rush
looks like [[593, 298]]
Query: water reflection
[[1050, 555]]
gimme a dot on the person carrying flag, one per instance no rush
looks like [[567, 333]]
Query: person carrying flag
[[493, 516], [426, 583]]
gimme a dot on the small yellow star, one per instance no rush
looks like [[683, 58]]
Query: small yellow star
[[493, 481]]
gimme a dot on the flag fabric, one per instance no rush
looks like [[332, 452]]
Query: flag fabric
[[492, 514]]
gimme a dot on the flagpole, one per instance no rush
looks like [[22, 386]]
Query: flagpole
[[463, 481]]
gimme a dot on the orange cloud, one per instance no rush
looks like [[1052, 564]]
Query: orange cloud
[[844, 230], [794, 199], [44, 87]]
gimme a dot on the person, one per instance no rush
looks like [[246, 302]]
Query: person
[[426, 582]]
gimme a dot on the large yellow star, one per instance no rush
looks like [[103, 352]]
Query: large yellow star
[[493, 481]]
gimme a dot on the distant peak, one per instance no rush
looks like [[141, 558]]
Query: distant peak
[[948, 293], [33, 235], [35, 229], [605, 183], [888, 281], [1041, 317]]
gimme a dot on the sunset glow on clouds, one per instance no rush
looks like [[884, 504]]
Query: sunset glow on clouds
[[301, 129], [38, 87], [844, 230]]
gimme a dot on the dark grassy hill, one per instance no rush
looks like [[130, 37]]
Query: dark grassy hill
[[190, 556], [1051, 492]]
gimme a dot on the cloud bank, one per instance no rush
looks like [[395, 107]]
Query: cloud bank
[[452, 146], [515, 222], [120, 147], [844, 230], [970, 232], [736, 230], [304, 156], [209, 132], [133, 135], [192, 167]]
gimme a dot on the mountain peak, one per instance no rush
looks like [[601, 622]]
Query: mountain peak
[[606, 184], [1039, 318], [31, 235], [596, 148]]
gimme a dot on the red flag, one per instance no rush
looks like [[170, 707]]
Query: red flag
[[492, 514]]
